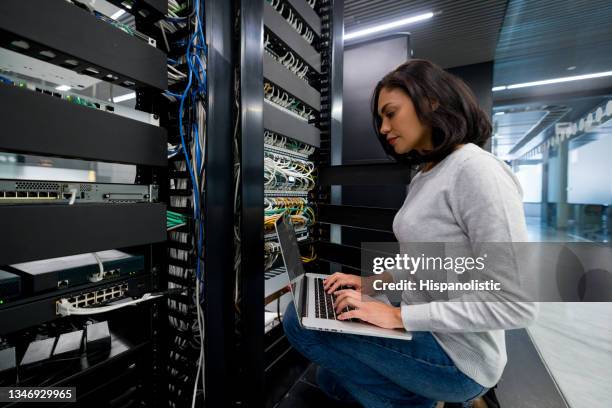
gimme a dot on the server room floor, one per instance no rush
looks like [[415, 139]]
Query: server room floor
[[304, 392]]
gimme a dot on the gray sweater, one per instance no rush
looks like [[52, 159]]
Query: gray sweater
[[471, 197]]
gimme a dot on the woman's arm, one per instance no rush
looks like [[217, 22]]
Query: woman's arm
[[487, 204]]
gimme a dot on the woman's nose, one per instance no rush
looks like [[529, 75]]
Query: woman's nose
[[384, 128]]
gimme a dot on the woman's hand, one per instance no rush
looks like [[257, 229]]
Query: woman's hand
[[339, 279], [367, 310]]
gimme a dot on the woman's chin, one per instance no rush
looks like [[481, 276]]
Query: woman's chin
[[399, 149]]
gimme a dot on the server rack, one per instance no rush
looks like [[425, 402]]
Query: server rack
[[290, 89], [36, 123]]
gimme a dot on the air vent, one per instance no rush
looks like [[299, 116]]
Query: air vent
[[36, 185], [85, 187]]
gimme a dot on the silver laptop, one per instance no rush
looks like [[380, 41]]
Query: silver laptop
[[315, 308]]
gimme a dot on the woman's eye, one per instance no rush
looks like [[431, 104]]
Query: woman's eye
[[390, 114]]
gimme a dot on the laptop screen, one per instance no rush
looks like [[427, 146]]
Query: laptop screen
[[291, 256]]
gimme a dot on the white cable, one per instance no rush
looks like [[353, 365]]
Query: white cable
[[100, 275], [73, 194], [64, 307]]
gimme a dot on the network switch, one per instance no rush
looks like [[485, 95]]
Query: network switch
[[68, 271], [34, 191], [96, 297]]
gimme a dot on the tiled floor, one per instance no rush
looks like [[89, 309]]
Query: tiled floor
[[575, 340]]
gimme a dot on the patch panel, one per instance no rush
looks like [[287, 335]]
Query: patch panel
[[96, 297]]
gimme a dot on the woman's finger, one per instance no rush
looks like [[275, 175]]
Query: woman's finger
[[351, 314], [347, 301], [338, 283], [329, 281], [346, 293]]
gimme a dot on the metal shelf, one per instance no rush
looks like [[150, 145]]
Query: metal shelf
[[279, 121], [283, 30], [43, 124], [308, 14], [32, 232], [53, 27], [283, 77]]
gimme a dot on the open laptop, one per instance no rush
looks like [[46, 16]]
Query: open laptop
[[314, 307]]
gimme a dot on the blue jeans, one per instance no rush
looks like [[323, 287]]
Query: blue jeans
[[380, 372]]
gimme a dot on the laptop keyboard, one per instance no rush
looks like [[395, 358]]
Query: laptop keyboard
[[324, 302]]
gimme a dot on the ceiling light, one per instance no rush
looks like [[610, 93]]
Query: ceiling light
[[125, 97], [573, 67], [499, 113], [554, 81], [63, 88], [118, 14], [387, 26]]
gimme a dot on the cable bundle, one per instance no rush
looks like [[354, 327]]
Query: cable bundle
[[174, 220], [287, 173], [289, 60], [187, 72], [302, 215], [294, 20], [283, 99], [275, 140]]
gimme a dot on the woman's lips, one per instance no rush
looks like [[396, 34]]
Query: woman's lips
[[392, 140]]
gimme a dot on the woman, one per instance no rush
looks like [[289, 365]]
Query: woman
[[461, 194]]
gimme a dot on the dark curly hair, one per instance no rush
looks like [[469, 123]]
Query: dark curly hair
[[456, 119]]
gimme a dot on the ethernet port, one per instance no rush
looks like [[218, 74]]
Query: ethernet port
[[63, 283], [43, 194], [80, 297], [90, 302], [71, 300], [68, 196], [81, 303], [52, 194], [22, 194], [1, 194], [10, 194], [90, 296], [32, 194]]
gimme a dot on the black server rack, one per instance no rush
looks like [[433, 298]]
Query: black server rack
[[290, 90], [125, 371]]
